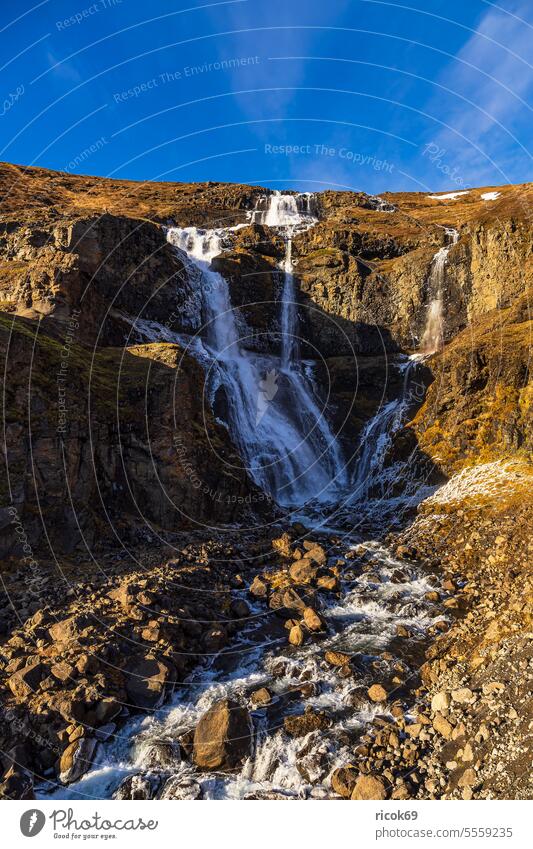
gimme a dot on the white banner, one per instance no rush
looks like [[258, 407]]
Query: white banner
[[255, 824]]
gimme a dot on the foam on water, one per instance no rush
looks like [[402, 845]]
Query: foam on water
[[276, 422], [361, 624]]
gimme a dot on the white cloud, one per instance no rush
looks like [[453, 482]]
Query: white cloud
[[493, 71]]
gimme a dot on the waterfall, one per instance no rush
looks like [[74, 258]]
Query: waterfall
[[273, 417], [289, 213], [289, 311], [433, 336], [378, 434]]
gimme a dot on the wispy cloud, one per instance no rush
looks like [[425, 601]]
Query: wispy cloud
[[65, 70], [493, 71]]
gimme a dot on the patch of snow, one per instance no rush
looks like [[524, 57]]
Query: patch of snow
[[449, 196], [490, 195], [490, 479]]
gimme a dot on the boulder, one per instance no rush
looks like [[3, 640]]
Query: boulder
[[68, 630], [146, 681], [134, 787], [282, 545], [261, 697], [71, 706], [337, 658], [258, 587], [25, 682], [377, 693], [87, 664], [125, 594], [463, 696], [298, 598], [181, 788], [239, 609], [296, 635], [301, 724], [17, 784], [440, 701], [442, 726], [215, 639], [63, 671], [303, 571], [328, 582], [77, 759], [469, 778], [312, 620], [343, 780], [432, 596], [369, 787], [222, 737], [317, 554]]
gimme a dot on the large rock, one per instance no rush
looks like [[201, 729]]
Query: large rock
[[258, 587], [440, 701], [316, 553], [337, 658], [25, 682], [377, 693], [77, 759], [442, 726], [301, 724], [17, 784], [282, 545], [343, 780], [369, 787], [296, 635], [303, 571], [298, 598], [67, 630], [178, 787], [134, 787], [222, 738], [146, 681], [313, 621]]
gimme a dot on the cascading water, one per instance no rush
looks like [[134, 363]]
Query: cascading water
[[378, 434], [362, 624], [284, 438], [274, 419], [433, 336]]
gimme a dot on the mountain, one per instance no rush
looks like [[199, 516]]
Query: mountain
[[172, 355]]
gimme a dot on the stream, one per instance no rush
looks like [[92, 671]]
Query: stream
[[282, 431]]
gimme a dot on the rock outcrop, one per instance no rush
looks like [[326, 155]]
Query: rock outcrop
[[222, 737], [114, 435]]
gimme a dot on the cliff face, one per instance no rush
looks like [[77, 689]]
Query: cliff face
[[103, 266], [479, 406], [105, 442], [93, 252]]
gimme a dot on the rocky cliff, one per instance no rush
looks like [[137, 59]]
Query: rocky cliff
[[134, 542], [108, 443], [93, 253]]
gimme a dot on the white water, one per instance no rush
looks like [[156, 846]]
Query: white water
[[362, 624], [433, 337], [276, 422]]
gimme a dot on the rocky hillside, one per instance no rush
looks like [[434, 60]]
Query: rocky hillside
[[108, 438], [95, 250], [134, 543]]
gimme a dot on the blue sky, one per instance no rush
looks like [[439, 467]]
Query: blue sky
[[359, 94]]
